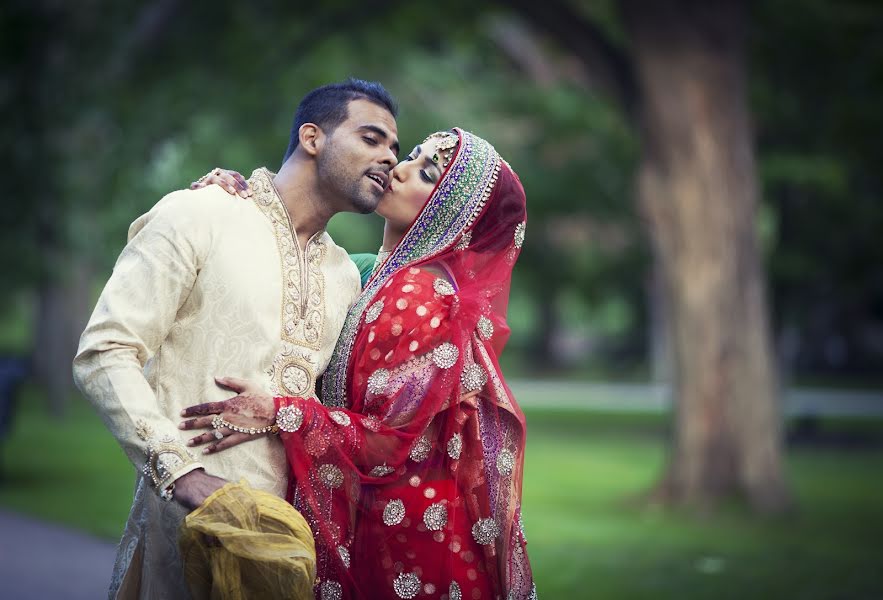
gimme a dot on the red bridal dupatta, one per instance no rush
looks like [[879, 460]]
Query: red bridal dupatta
[[410, 472]]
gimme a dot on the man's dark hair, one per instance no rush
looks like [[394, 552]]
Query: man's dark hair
[[327, 106]]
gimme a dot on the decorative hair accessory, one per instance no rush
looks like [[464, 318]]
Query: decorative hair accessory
[[448, 140]]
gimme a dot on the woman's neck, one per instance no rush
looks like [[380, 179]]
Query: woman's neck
[[391, 239], [391, 236]]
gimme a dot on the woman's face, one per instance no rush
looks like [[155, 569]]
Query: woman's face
[[411, 183]]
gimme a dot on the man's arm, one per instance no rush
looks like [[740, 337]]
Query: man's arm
[[151, 280]]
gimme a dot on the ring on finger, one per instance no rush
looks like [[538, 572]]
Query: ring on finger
[[217, 423]]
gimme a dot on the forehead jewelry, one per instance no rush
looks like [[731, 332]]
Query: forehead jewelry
[[445, 149]]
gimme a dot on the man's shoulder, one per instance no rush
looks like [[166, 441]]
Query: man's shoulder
[[193, 209], [204, 203]]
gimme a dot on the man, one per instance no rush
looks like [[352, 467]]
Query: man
[[209, 284]]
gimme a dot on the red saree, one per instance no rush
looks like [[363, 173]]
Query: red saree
[[413, 486]]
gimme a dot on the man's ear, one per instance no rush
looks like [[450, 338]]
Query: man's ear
[[310, 138]]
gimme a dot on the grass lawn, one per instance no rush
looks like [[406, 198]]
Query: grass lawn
[[586, 538]]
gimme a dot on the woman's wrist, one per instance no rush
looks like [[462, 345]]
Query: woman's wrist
[[289, 413]]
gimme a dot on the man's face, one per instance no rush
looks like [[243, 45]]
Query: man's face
[[356, 160]]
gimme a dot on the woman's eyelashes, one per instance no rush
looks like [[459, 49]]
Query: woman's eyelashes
[[423, 173]]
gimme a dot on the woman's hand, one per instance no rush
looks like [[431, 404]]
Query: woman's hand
[[230, 181], [252, 409]]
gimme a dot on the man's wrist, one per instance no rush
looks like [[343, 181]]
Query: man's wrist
[[167, 460], [168, 492]]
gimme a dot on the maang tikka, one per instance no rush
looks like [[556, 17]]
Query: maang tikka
[[448, 141]]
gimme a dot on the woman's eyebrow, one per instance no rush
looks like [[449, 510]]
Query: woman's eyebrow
[[428, 161]]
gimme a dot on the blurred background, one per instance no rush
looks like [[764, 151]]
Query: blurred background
[[697, 314]]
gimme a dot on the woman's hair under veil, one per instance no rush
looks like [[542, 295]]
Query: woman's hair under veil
[[405, 462]]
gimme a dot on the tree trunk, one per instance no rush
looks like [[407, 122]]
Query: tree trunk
[[660, 352], [698, 191]]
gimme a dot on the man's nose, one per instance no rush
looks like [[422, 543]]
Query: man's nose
[[389, 158]]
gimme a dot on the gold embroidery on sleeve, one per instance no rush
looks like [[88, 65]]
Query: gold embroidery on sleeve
[[166, 458]]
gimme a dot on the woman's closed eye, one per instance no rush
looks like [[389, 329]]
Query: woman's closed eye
[[424, 175]]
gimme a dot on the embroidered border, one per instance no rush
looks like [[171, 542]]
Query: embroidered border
[[302, 318]]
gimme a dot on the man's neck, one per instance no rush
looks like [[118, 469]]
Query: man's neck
[[308, 210]]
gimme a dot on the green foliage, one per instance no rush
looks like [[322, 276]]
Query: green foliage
[[136, 110], [112, 112], [816, 91]]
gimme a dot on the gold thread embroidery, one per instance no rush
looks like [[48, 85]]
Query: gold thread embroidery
[[303, 294]]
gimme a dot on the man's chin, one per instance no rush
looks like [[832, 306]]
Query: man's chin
[[366, 205]]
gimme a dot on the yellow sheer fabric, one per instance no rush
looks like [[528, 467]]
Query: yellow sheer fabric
[[245, 543]]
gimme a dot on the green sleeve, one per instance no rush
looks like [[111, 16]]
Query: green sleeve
[[365, 263]]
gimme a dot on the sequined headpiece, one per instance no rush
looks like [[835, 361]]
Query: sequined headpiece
[[445, 150]]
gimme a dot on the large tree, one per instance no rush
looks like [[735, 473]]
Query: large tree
[[680, 74]]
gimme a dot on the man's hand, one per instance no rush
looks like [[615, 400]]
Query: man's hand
[[252, 408], [230, 181], [192, 489]]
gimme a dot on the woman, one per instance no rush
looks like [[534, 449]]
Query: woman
[[410, 470]]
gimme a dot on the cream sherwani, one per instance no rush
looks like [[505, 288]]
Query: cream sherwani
[[208, 284]]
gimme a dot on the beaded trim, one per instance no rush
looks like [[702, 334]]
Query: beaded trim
[[455, 446], [474, 377], [330, 590], [303, 294], [406, 585], [167, 458], [454, 591], [289, 418], [445, 355], [443, 287], [393, 512], [485, 530], [519, 234], [344, 555], [421, 449], [485, 328]]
